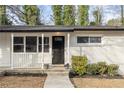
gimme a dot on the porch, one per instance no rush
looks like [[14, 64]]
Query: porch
[[39, 53]]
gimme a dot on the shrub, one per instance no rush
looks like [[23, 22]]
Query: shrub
[[79, 64], [102, 67], [112, 69], [92, 69]]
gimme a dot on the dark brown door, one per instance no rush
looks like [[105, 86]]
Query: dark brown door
[[58, 49]]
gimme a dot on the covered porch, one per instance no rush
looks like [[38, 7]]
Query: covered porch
[[35, 50]]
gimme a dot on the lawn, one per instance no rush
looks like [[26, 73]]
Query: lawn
[[22, 81], [89, 82]]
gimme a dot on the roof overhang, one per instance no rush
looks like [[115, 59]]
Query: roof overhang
[[59, 28], [35, 29]]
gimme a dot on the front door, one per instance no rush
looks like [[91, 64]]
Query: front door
[[58, 49]]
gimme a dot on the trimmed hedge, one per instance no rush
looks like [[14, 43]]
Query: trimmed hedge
[[102, 68], [79, 64], [112, 69], [92, 69]]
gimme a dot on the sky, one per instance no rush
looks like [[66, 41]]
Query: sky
[[109, 12]]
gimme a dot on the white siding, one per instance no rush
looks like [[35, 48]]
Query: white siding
[[5, 49], [31, 60], [111, 49]]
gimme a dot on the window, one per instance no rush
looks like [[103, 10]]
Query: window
[[18, 44], [46, 44], [88, 39], [31, 44], [82, 39], [95, 39]]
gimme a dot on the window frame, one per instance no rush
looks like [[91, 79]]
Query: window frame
[[89, 44], [95, 42], [26, 45], [82, 37], [23, 44], [44, 44], [37, 44]]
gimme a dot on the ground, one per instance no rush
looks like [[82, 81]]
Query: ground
[[22, 81], [97, 83]]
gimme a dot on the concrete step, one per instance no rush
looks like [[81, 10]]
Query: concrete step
[[58, 65], [57, 73]]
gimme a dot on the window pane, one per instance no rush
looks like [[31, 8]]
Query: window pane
[[95, 39], [18, 40], [31, 44], [46, 40], [82, 39], [46, 48], [40, 48], [40, 40], [18, 48]]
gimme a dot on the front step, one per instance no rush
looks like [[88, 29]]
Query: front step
[[58, 65], [57, 69]]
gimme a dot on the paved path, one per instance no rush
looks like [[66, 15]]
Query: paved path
[[58, 81]]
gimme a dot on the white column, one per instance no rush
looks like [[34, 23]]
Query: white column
[[68, 48], [12, 50], [42, 51], [37, 45]]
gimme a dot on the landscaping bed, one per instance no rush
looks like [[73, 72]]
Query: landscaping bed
[[94, 75], [98, 82], [22, 80]]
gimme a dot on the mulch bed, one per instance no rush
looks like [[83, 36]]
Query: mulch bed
[[22, 80], [97, 81]]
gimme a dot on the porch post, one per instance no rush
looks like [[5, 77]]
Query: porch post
[[68, 48], [12, 51], [42, 50]]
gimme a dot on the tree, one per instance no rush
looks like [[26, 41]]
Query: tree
[[31, 15], [92, 23], [98, 16], [3, 16], [122, 15], [57, 14], [114, 22], [83, 15], [27, 14], [68, 15]]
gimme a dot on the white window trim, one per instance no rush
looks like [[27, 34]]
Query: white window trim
[[89, 44], [24, 36], [18, 44]]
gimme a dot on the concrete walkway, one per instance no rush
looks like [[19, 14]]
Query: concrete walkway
[[58, 80]]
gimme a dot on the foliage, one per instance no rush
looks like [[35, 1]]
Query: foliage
[[80, 67], [57, 14], [92, 23], [92, 69], [3, 16], [98, 16], [31, 15], [112, 69], [79, 64], [83, 15], [102, 67], [122, 14], [114, 22], [68, 15]]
